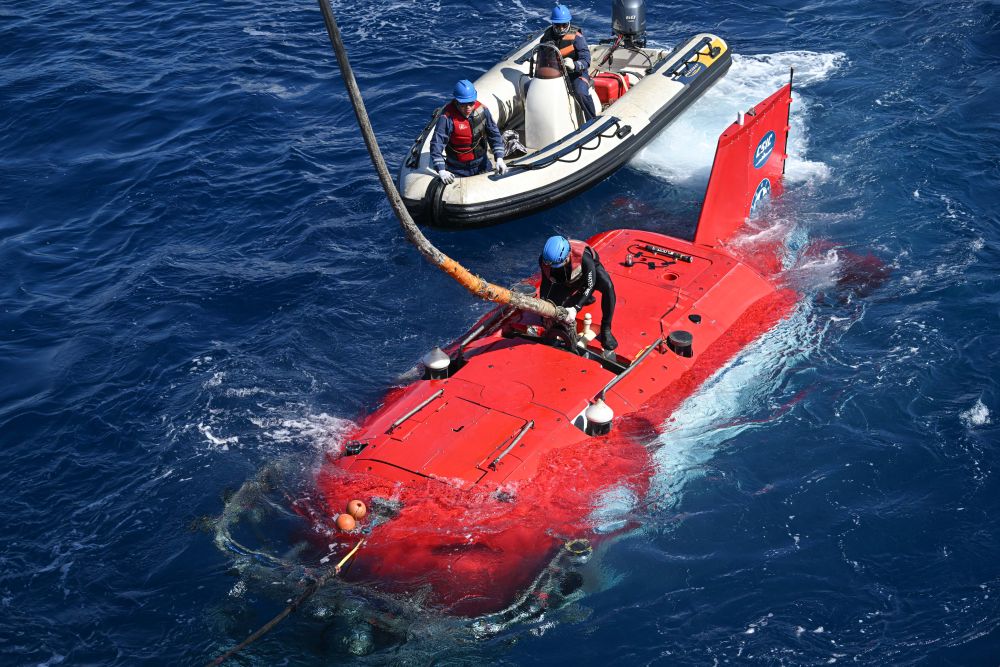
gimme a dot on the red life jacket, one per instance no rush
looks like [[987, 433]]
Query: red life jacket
[[576, 250], [466, 143]]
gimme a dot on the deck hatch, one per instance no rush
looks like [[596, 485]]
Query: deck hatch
[[454, 442]]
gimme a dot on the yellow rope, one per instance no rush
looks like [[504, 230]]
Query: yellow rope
[[336, 569]]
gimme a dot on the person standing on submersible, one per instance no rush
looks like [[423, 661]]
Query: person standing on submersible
[[573, 48], [458, 145], [571, 272]]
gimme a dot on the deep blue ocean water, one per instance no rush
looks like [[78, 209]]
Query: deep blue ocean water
[[201, 276]]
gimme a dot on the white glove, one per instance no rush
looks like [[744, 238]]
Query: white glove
[[446, 176], [501, 166], [569, 64], [570, 316]]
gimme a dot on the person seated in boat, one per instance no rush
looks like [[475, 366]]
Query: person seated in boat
[[458, 145], [572, 46], [571, 272]]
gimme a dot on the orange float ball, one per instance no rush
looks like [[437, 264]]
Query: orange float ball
[[357, 509], [346, 522]]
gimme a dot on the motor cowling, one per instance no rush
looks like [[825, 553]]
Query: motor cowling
[[628, 21]]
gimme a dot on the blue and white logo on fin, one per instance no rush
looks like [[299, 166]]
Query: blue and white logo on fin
[[760, 196], [764, 150]]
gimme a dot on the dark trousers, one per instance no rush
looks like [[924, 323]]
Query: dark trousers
[[472, 168], [581, 90]]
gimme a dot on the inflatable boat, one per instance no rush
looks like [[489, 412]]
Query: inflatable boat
[[552, 153], [502, 459]]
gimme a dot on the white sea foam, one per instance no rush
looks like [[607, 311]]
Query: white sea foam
[[713, 414], [222, 443], [977, 415], [321, 430], [271, 88], [253, 32], [683, 153], [612, 509]]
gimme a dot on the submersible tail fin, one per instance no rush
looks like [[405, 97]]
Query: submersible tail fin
[[748, 168]]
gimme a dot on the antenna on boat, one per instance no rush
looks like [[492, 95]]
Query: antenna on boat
[[470, 281]]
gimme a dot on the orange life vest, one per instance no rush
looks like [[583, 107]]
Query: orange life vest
[[565, 43]]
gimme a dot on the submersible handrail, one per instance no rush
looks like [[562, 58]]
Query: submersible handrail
[[423, 404], [635, 364], [495, 319], [478, 286], [524, 430]]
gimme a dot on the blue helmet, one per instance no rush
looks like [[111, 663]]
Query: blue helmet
[[464, 92], [556, 251], [560, 14]]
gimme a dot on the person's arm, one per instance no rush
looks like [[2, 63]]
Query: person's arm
[[493, 133], [582, 53], [440, 138], [588, 276]]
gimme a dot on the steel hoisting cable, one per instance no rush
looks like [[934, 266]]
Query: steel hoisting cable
[[478, 286], [308, 593]]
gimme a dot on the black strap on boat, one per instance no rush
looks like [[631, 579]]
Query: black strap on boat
[[413, 158], [597, 130], [681, 67]]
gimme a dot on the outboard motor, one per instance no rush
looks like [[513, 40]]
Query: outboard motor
[[628, 21], [549, 113]]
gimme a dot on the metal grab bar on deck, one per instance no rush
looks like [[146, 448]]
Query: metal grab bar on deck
[[524, 429], [414, 411], [635, 364]]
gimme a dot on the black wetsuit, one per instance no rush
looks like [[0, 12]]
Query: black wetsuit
[[563, 289]]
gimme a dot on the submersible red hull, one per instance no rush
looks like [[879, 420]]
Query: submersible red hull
[[478, 474]]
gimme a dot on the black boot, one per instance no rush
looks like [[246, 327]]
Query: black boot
[[607, 340]]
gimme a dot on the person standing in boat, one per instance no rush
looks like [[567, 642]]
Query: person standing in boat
[[573, 48], [571, 272], [458, 145]]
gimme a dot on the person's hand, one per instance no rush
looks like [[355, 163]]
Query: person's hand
[[501, 166], [570, 315], [446, 176], [569, 64]]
